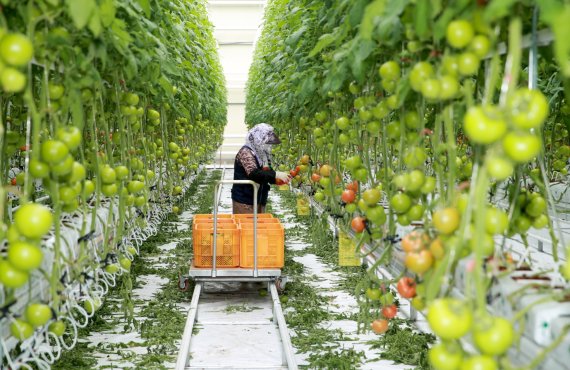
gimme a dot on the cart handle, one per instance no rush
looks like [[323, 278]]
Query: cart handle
[[218, 189]]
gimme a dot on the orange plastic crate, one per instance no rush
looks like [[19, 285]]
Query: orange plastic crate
[[249, 221], [210, 216], [227, 249], [211, 221], [246, 216], [270, 245]]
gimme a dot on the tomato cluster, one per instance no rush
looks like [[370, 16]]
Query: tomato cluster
[[16, 51]]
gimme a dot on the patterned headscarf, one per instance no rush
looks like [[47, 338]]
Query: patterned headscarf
[[259, 139]]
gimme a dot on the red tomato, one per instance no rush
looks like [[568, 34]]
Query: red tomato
[[390, 311], [348, 196], [415, 241], [315, 177], [352, 186], [406, 287], [358, 224], [379, 326]]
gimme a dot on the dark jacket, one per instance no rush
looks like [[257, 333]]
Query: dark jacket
[[247, 167]]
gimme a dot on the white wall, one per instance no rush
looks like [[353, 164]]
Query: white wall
[[237, 24]]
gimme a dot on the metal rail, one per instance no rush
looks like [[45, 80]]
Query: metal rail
[[283, 332], [188, 329], [278, 317]]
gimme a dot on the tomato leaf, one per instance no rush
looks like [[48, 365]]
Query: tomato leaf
[[107, 12], [422, 20], [95, 23], [356, 12], [498, 9], [145, 5], [372, 15], [361, 50], [324, 41], [80, 11], [556, 15], [293, 39]]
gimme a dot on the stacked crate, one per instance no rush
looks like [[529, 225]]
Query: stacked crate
[[235, 243]]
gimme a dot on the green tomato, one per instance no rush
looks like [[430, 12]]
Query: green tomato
[[64, 168], [493, 336], [429, 185], [498, 167], [54, 151], [33, 220], [536, 206], [10, 276], [522, 147], [16, 49], [528, 108], [57, 328], [78, 172], [400, 203], [122, 172], [25, 256], [468, 63], [419, 73], [21, 329], [109, 190], [484, 124], [480, 45], [376, 215], [92, 305], [496, 221], [459, 33], [107, 174], [449, 318], [55, 91], [479, 362], [431, 89], [445, 356], [449, 87], [135, 186], [389, 71], [38, 314], [12, 80], [70, 135]]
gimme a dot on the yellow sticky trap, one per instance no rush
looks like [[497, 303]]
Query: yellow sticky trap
[[303, 206], [347, 255]]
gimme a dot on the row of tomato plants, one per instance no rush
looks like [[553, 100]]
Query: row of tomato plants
[[103, 104], [401, 113]]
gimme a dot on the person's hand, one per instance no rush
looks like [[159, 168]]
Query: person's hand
[[282, 177]]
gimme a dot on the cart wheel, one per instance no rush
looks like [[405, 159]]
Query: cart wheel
[[183, 283], [280, 283]]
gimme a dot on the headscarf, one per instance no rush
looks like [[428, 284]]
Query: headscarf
[[259, 139]]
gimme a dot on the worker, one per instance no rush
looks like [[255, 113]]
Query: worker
[[253, 162]]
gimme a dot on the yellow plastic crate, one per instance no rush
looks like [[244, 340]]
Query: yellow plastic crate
[[347, 254], [227, 249], [270, 245]]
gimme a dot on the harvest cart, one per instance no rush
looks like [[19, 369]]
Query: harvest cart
[[229, 271]]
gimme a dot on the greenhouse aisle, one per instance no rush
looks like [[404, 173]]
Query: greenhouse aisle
[[234, 327]]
